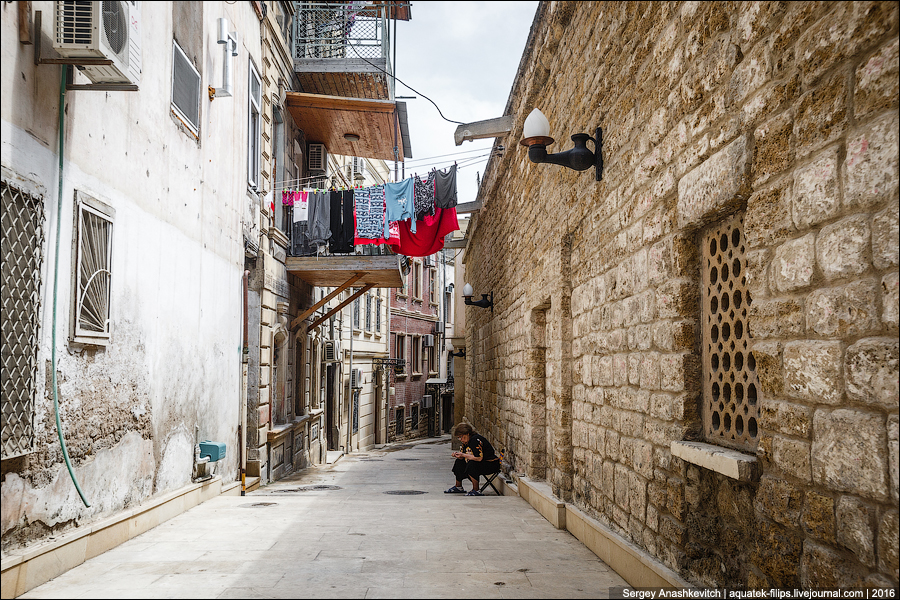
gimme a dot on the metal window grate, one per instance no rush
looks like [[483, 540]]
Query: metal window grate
[[340, 30], [185, 87], [730, 383], [21, 249]]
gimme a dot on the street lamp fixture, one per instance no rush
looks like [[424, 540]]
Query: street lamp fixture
[[537, 137], [483, 303]]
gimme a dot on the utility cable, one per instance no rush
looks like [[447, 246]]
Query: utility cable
[[394, 77]]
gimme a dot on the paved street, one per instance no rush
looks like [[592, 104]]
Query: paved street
[[356, 541]]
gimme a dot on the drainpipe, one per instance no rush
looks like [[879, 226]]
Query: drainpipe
[[59, 202], [245, 353]]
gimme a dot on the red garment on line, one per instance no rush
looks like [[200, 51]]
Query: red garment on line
[[429, 237]]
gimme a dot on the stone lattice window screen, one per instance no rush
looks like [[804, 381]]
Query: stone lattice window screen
[[730, 384], [21, 247]]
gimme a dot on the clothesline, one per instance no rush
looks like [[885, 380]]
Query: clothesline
[[412, 216]]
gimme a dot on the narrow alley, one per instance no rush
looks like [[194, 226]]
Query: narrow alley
[[371, 525]]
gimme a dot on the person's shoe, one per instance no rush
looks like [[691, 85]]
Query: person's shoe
[[474, 493], [455, 490]]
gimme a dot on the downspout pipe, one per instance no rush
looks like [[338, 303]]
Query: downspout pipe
[[59, 203]]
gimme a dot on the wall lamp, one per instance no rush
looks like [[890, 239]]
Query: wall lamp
[[483, 303], [461, 353], [537, 137]]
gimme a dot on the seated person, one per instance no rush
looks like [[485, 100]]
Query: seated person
[[476, 458]]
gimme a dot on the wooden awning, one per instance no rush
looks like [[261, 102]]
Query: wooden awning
[[342, 272], [326, 119]]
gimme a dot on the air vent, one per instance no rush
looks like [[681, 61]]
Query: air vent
[[332, 351], [317, 157], [355, 379]]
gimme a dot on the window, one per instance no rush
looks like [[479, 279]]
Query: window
[[413, 417], [368, 312], [21, 248], [185, 90], [254, 126], [378, 314], [400, 352], [93, 261], [356, 313], [398, 420], [432, 289], [730, 384], [281, 170], [415, 358], [429, 359], [416, 273]]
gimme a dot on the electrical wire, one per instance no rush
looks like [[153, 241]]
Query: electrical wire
[[394, 77]]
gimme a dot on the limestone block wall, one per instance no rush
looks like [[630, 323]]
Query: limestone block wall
[[592, 363]]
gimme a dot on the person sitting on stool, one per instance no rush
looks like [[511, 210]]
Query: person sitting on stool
[[476, 458]]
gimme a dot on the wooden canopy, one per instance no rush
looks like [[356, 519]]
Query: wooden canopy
[[342, 272], [326, 119]]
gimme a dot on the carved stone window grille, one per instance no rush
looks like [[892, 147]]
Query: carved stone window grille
[[21, 249], [730, 384]]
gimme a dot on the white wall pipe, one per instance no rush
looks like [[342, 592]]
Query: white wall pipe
[[229, 45]]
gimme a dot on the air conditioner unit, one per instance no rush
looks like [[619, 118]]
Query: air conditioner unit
[[429, 261], [333, 351], [317, 158], [110, 30], [428, 340], [355, 379], [439, 328], [427, 401]]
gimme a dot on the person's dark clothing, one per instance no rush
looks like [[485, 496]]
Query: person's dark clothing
[[477, 446]]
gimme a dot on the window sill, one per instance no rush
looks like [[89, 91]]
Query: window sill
[[403, 296], [399, 375], [730, 463]]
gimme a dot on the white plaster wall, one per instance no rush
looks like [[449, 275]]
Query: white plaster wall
[[177, 264]]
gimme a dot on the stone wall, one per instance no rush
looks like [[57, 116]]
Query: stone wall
[[591, 364]]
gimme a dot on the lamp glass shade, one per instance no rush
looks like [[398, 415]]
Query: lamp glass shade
[[467, 290], [536, 125]]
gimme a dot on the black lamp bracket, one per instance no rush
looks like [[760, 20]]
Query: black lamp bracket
[[485, 302], [579, 158]]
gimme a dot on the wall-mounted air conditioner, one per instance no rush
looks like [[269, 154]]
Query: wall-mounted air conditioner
[[427, 401], [317, 159], [333, 351], [428, 341], [439, 328], [110, 30], [355, 379], [429, 261]]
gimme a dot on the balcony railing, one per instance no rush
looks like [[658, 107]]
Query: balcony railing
[[342, 30]]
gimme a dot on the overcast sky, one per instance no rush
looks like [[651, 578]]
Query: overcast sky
[[464, 56]]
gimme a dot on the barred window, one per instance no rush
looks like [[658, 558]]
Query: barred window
[[21, 249], [399, 419], [368, 312], [356, 313], [729, 370], [93, 277]]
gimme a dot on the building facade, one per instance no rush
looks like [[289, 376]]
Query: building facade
[[415, 343], [700, 350], [124, 201]]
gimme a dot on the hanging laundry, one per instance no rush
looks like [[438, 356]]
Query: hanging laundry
[[428, 239], [300, 245], [398, 200], [342, 225], [369, 205], [300, 201], [424, 196], [445, 189], [319, 220]]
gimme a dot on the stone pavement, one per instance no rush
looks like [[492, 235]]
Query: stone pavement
[[289, 541]]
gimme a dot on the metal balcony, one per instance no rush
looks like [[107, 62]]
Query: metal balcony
[[344, 48]]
